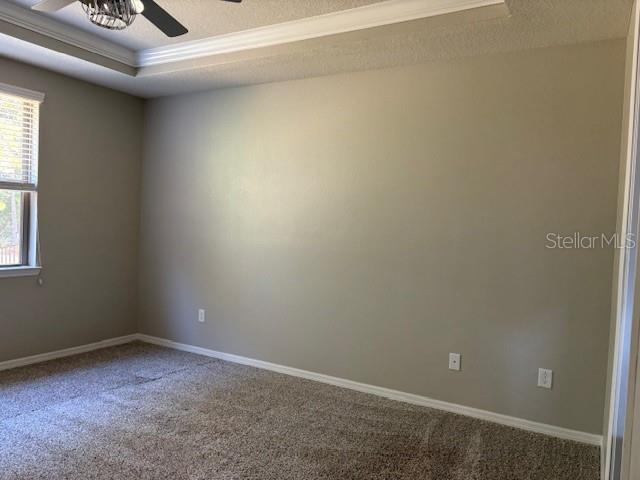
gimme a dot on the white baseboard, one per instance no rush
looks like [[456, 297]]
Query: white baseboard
[[515, 422], [67, 352], [523, 424]]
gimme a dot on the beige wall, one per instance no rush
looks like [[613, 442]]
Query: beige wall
[[90, 149], [365, 225]]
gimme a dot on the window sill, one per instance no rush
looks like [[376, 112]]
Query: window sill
[[6, 272]]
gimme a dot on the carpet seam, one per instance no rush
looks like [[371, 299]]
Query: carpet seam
[[96, 394]]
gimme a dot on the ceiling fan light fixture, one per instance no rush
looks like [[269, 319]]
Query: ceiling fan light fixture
[[120, 14], [112, 14]]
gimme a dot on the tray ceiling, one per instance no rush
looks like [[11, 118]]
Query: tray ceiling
[[530, 24], [203, 18]]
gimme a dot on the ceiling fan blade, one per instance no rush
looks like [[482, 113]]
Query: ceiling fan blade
[[161, 19], [51, 5], [234, 1]]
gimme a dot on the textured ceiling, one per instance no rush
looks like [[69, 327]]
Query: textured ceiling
[[203, 18], [532, 24]]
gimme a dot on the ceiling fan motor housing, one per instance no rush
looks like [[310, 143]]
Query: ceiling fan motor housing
[[112, 14]]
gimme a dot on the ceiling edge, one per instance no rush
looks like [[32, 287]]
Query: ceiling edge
[[76, 42], [48, 27], [343, 21]]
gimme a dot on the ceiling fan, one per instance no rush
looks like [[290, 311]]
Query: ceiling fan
[[119, 14]]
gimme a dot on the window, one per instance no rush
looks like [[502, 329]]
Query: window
[[19, 122]]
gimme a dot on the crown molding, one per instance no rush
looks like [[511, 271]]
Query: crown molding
[[385, 13], [343, 21], [43, 25]]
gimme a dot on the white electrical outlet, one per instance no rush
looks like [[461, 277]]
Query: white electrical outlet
[[454, 361], [545, 378], [201, 316]]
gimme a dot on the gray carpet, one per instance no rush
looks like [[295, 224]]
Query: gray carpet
[[142, 412]]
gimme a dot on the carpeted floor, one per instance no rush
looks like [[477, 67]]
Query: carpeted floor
[[142, 412]]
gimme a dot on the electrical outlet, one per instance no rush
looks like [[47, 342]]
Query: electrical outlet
[[201, 316], [545, 378], [454, 361]]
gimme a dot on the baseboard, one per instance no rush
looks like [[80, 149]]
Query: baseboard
[[515, 422], [501, 419], [67, 352]]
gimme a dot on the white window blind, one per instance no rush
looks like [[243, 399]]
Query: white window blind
[[19, 120]]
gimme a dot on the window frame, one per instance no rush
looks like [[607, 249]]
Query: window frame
[[30, 261]]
